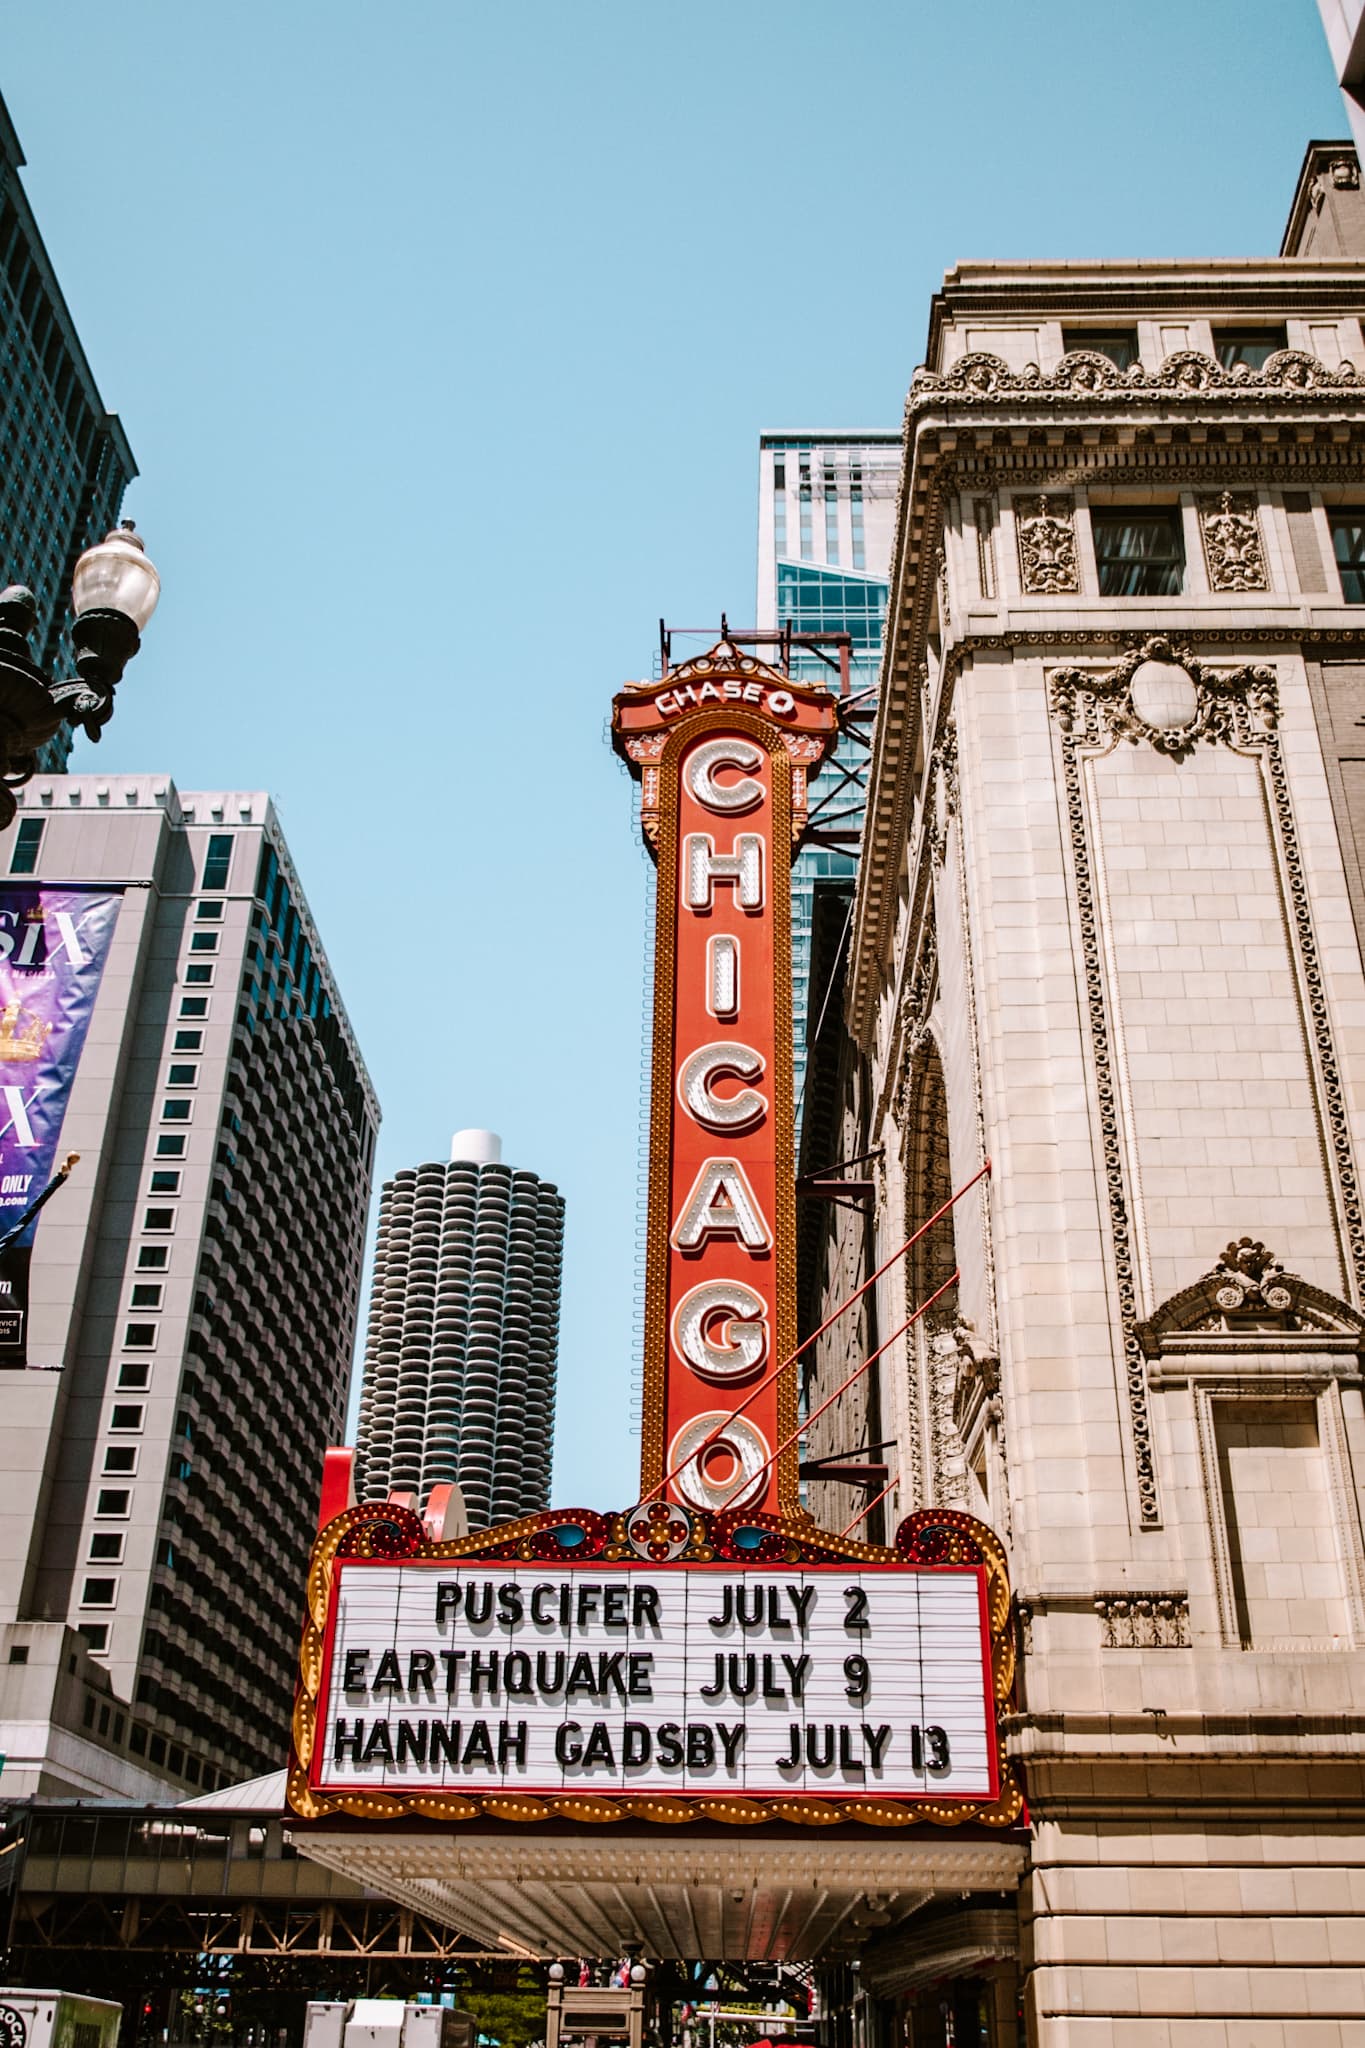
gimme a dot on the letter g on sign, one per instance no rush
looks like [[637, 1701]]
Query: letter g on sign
[[701, 768], [721, 1329]]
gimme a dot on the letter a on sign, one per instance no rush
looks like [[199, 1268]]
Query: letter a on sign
[[723, 747]]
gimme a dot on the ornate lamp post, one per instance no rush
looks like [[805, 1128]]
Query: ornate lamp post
[[113, 594]]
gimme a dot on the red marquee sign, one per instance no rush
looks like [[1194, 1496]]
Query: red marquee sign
[[724, 747]]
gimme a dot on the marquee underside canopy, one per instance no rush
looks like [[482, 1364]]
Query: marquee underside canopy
[[769, 1898]]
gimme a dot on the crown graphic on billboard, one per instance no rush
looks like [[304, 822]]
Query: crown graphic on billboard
[[16, 1044]]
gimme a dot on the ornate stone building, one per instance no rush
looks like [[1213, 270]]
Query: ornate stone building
[[1107, 936]]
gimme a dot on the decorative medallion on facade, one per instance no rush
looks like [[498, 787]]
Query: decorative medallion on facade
[[1047, 547], [1166, 697], [1232, 543]]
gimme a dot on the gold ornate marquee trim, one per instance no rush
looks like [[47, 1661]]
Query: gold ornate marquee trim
[[941, 1538]]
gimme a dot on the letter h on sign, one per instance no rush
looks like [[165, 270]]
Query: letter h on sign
[[724, 777]]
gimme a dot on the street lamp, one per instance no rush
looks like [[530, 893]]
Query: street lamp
[[113, 594]]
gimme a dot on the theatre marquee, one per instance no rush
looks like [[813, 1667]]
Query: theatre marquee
[[659, 1664]]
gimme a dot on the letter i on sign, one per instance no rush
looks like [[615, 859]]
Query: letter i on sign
[[729, 744]]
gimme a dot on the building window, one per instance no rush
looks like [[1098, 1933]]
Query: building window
[[96, 1634], [182, 1074], [779, 508], [106, 1547], [189, 1041], [127, 1415], [171, 1145], [134, 1373], [855, 508], [1348, 545], [194, 1006], [1253, 346], [204, 942], [154, 1258], [217, 861], [1139, 553], [120, 1458], [208, 913], [176, 1110], [139, 1336], [196, 974], [24, 859], [166, 1181], [1119, 344], [112, 1500], [99, 1592]]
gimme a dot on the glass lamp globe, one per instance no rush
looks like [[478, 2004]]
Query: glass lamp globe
[[116, 575]]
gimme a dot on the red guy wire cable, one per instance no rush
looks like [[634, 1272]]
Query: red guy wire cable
[[863, 1513], [856, 1374], [762, 1385]]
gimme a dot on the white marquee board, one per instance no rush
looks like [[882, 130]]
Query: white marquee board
[[486, 1677]]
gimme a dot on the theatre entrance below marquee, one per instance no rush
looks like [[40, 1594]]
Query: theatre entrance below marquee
[[679, 1895]]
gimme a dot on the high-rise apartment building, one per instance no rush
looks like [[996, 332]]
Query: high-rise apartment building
[[186, 1340], [463, 1334], [826, 509], [64, 461]]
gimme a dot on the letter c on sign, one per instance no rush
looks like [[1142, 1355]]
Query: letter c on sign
[[721, 1329], [722, 1112], [701, 768]]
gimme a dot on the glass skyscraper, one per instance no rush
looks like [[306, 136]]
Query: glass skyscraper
[[825, 517], [64, 461]]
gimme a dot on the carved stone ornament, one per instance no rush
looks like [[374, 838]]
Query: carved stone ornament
[[1164, 695], [917, 1001], [1143, 1621], [983, 379], [944, 792], [1246, 1296], [946, 1345], [1047, 548], [1232, 544]]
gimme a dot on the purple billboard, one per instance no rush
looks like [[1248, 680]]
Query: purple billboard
[[53, 945]]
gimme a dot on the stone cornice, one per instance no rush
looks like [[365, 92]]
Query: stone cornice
[[1190, 415], [1254, 288], [1185, 379]]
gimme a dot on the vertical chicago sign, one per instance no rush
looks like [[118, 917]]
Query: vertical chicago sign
[[724, 747]]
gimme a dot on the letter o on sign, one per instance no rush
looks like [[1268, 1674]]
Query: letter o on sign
[[721, 1329], [731, 1472]]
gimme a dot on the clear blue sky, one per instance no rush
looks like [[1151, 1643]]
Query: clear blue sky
[[443, 335]]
